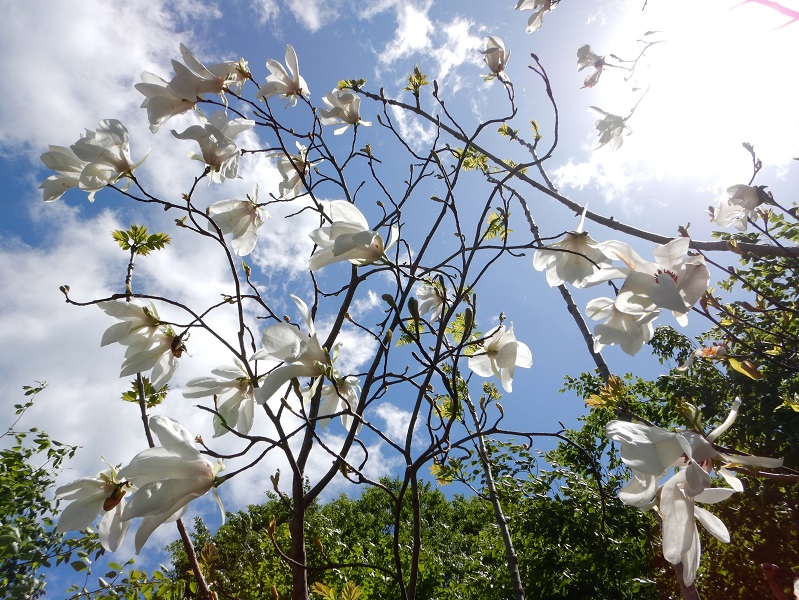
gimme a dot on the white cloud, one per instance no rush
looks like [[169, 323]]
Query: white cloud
[[397, 421], [314, 14], [414, 29], [459, 47], [85, 63], [417, 132], [266, 10]]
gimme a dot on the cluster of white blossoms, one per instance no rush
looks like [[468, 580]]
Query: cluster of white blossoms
[[674, 281], [99, 158], [163, 479], [651, 453]]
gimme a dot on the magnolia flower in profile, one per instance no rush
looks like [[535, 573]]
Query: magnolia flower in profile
[[539, 8], [341, 397], [431, 300], [68, 168], [168, 477], [679, 513], [241, 218], [191, 83], [98, 159], [294, 169], [215, 137], [234, 394], [289, 84], [343, 106], [651, 451], [499, 354], [161, 102], [347, 237], [150, 344], [107, 153], [301, 354], [611, 129], [195, 80], [629, 330], [137, 327], [161, 359], [740, 207], [573, 259], [495, 57], [588, 58], [90, 496]]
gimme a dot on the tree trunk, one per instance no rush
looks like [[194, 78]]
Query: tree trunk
[[299, 572]]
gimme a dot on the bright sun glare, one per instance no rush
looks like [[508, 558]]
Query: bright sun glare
[[724, 76]]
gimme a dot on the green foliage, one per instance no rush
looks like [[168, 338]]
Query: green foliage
[[351, 84], [152, 396], [497, 226], [460, 328], [415, 81], [133, 584], [29, 543], [472, 159], [350, 591], [138, 242]]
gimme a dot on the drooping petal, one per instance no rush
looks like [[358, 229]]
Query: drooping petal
[[112, 528]]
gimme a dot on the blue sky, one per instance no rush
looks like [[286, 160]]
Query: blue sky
[[725, 76]]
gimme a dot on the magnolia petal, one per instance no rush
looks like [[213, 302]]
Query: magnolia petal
[[280, 377], [678, 521], [481, 365], [640, 491], [174, 437], [150, 524], [112, 528], [712, 524], [81, 512], [713, 495]]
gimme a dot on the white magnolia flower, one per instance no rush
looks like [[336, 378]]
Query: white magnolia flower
[[431, 300], [191, 83], [68, 166], [90, 496], [739, 208], [294, 169], [629, 330], [302, 354], [241, 218], [162, 357], [347, 237], [161, 102], [499, 354], [343, 106], [339, 398], [107, 154], [611, 129], [234, 393], [650, 452], [168, 477], [588, 58], [573, 259], [675, 281], [137, 327], [215, 137], [289, 84], [195, 80], [679, 514], [495, 57], [539, 8], [98, 159]]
